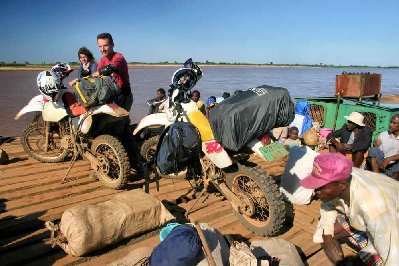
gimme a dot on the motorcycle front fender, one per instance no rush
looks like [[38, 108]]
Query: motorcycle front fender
[[34, 105], [157, 119]]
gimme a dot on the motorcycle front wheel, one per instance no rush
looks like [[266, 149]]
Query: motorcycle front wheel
[[148, 148], [262, 202], [113, 161], [33, 140]]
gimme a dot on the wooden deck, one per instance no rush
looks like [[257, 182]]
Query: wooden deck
[[31, 193]]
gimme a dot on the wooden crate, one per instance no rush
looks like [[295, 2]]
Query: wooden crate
[[358, 85]]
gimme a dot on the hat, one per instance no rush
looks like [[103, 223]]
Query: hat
[[327, 168], [356, 118], [166, 230]]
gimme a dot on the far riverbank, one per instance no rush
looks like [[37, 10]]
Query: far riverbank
[[40, 67]]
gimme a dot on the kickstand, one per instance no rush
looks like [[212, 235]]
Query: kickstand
[[147, 178], [69, 169]]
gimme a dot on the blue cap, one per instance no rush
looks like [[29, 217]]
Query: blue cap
[[210, 100], [166, 230]]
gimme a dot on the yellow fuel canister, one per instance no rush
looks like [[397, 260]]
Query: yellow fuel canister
[[198, 119]]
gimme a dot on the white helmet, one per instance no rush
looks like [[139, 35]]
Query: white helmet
[[61, 70], [48, 83], [187, 76]]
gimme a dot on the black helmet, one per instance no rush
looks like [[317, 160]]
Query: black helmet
[[61, 70]]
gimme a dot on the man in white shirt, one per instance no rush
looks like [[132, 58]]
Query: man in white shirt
[[385, 156], [368, 201]]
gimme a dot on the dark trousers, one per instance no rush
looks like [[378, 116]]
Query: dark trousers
[[123, 129]]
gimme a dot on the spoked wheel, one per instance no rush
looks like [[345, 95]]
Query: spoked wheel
[[148, 148], [52, 150], [113, 168], [262, 208]]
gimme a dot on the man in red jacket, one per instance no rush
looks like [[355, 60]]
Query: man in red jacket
[[125, 98], [110, 57]]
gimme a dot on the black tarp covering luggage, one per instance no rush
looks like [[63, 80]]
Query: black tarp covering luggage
[[248, 115]]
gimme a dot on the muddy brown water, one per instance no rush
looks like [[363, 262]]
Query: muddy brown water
[[18, 87]]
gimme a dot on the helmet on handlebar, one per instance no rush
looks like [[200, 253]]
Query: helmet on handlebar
[[187, 76], [48, 83], [61, 70]]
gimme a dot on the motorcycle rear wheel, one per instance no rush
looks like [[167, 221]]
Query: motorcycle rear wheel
[[33, 142], [113, 160], [263, 193]]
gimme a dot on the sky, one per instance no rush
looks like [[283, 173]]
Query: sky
[[358, 32]]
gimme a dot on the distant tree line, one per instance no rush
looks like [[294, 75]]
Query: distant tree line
[[207, 62]]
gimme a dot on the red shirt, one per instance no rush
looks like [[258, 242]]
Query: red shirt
[[122, 79]]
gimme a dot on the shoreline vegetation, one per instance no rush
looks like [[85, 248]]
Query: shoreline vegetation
[[132, 65]]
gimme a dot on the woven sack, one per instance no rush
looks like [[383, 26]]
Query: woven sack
[[85, 228], [311, 137], [278, 248]]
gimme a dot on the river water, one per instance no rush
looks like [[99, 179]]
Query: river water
[[18, 87]]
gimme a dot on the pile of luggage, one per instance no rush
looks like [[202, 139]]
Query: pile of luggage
[[86, 228], [250, 114]]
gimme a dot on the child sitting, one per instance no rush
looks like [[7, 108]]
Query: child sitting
[[293, 139]]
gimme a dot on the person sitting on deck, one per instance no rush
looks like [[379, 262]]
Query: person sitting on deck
[[293, 139], [225, 95], [302, 119], [355, 138], [385, 155], [157, 105], [236, 92], [358, 206], [210, 103], [195, 96]]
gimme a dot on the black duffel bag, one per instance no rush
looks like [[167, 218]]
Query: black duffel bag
[[250, 114], [179, 146]]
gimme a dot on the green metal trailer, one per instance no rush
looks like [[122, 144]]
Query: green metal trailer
[[376, 114]]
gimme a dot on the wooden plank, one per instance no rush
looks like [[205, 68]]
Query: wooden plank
[[33, 173], [52, 177], [21, 162], [61, 193], [13, 242], [25, 254], [57, 203], [30, 191], [33, 195], [35, 220]]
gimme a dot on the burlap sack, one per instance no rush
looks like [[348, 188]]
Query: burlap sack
[[90, 227], [279, 248], [299, 166], [241, 255], [217, 244], [311, 137]]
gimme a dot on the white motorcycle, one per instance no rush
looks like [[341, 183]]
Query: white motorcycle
[[253, 194], [68, 129]]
